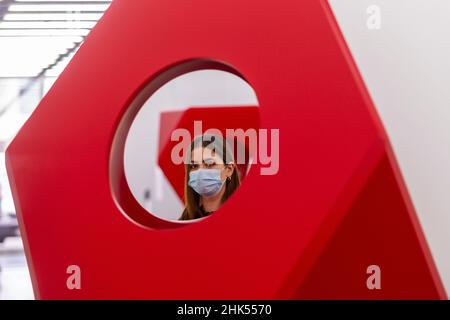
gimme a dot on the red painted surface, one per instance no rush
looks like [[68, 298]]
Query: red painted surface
[[221, 118], [337, 204]]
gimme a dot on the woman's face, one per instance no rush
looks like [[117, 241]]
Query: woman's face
[[205, 158]]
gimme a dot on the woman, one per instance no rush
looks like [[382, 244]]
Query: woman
[[211, 176]]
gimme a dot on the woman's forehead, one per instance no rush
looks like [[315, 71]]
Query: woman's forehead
[[200, 154]]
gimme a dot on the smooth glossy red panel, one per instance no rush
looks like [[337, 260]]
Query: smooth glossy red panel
[[273, 237]]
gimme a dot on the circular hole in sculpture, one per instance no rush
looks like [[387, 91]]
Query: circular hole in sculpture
[[185, 144]]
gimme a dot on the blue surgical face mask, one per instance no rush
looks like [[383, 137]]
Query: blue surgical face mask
[[206, 182]]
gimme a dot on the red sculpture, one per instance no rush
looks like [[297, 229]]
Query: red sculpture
[[337, 205], [220, 118]]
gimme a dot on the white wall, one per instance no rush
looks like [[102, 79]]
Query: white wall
[[406, 67]]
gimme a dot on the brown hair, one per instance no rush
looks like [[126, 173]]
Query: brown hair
[[191, 198]]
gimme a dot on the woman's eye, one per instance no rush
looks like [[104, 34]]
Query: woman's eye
[[210, 164]]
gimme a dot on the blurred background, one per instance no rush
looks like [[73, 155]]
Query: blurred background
[[37, 40]]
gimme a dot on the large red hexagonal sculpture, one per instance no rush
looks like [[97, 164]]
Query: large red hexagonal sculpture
[[337, 205]]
